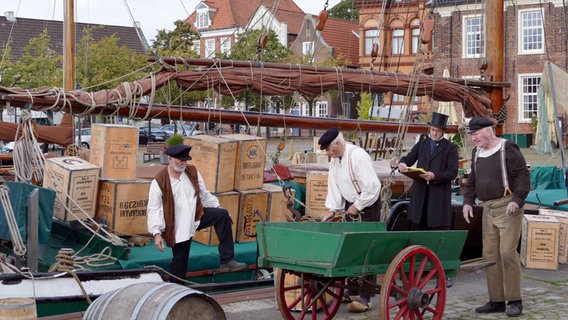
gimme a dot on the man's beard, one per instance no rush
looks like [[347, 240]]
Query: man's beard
[[179, 167]]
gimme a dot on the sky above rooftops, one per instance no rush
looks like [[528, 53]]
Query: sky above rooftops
[[153, 15]]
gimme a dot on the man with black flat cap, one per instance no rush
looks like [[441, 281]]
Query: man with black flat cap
[[179, 204], [500, 179], [353, 187]]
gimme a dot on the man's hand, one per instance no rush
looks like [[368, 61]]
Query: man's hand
[[467, 212], [159, 242], [352, 210], [512, 208], [428, 176], [402, 167], [328, 216]]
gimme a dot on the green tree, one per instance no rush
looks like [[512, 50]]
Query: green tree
[[344, 10], [40, 65], [177, 43], [9, 77], [364, 105], [104, 64]]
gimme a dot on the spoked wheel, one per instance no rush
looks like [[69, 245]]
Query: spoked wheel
[[307, 296], [414, 286]]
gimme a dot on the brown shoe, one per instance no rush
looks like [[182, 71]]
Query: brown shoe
[[359, 305]]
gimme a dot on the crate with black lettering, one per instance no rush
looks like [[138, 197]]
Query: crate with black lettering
[[122, 206], [539, 244], [76, 182], [249, 168]]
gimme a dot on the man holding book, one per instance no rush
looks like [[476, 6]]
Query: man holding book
[[430, 204]]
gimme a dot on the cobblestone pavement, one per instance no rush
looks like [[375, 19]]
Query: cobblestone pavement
[[545, 296]]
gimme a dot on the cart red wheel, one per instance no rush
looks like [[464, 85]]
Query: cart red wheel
[[414, 286], [307, 296]]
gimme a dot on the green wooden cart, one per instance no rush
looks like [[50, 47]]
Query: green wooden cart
[[312, 261]]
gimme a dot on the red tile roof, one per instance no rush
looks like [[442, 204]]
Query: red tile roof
[[340, 35], [237, 13]]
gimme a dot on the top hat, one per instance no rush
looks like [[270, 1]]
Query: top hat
[[439, 120]]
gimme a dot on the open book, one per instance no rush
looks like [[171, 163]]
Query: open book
[[414, 173]]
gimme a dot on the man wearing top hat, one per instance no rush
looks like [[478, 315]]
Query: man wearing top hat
[[430, 204], [179, 204]]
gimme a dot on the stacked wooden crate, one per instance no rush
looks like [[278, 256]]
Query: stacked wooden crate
[[122, 198], [76, 182], [234, 164]]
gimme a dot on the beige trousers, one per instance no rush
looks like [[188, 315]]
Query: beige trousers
[[501, 234]]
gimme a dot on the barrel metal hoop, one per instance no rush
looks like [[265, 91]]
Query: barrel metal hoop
[[143, 299]]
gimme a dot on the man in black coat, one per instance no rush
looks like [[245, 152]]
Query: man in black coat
[[430, 204]]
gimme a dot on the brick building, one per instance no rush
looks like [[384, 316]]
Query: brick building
[[534, 33]]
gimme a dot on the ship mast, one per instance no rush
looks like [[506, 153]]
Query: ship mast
[[69, 50], [495, 27]]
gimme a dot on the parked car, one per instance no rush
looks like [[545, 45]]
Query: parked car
[[84, 139], [183, 129], [9, 147], [156, 134]]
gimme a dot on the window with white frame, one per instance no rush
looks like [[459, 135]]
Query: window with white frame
[[321, 109], [415, 40], [528, 99], [397, 98], [474, 41], [196, 46], [209, 48], [531, 32], [305, 109], [225, 45], [371, 37], [397, 41], [308, 48], [202, 18]]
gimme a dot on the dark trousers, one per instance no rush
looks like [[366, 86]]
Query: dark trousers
[[371, 213], [220, 220]]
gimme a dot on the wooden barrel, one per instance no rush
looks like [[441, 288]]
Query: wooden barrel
[[17, 308], [155, 300]]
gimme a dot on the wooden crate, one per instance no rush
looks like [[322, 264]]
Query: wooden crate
[[215, 158], [539, 244], [249, 170], [277, 209], [562, 217], [230, 201], [114, 148], [253, 208], [122, 205], [316, 192], [77, 178]]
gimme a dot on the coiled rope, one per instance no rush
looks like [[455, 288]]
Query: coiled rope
[[17, 243]]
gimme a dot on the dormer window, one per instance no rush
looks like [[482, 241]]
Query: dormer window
[[202, 13]]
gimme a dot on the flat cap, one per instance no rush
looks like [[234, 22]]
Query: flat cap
[[179, 151], [328, 136], [477, 123]]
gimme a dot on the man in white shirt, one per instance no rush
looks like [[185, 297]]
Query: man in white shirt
[[179, 204], [353, 187]]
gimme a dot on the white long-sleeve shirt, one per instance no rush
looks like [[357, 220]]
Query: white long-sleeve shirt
[[185, 206], [340, 188]]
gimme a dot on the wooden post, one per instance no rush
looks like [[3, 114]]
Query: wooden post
[[494, 40]]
